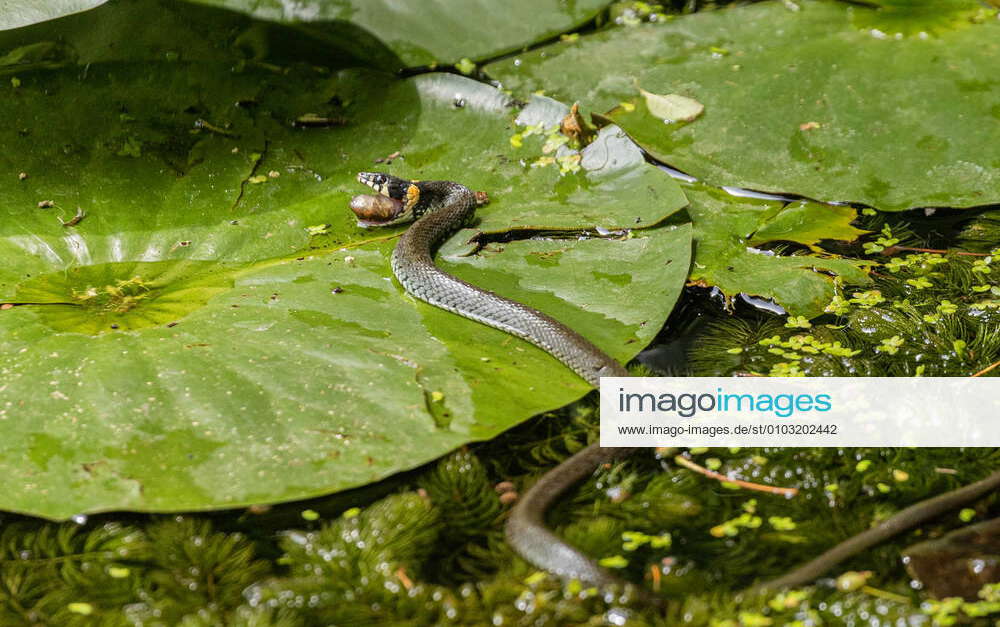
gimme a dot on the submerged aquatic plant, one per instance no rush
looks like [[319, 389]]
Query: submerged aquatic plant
[[928, 314]]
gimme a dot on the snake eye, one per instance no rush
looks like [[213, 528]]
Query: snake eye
[[375, 180]]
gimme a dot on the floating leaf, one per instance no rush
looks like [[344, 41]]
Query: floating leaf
[[809, 223], [727, 231], [190, 345], [432, 31], [17, 13], [806, 102], [672, 107]]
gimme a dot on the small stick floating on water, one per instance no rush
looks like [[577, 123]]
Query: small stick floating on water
[[987, 369], [687, 463]]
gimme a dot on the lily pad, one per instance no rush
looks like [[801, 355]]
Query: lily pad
[[619, 192], [808, 223], [919, 17], [118, 31], [816, 102], [432, 31], [729, 231], [190, 344], [17, 13]]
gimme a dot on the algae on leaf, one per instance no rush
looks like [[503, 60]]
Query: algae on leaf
[[817, 102]]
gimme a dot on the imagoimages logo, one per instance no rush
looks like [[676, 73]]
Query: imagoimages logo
[[800, 411], [690, 404]]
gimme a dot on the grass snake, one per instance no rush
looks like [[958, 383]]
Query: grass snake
[[439, 208]]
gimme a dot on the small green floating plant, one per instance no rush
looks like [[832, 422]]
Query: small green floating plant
[[928, 314]]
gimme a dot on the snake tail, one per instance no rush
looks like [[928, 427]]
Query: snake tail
[[527, 533]]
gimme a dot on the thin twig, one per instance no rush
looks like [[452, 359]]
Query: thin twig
[[891, 250], [902, 521], [406, 581], [687, 463], [987, 369]]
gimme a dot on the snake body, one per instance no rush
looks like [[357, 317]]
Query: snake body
[[447, 206], [442, 207]]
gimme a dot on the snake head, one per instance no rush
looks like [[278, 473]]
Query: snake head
[[385, 184], [394, 204]]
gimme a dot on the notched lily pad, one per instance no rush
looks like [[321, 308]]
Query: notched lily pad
[[297, 366]]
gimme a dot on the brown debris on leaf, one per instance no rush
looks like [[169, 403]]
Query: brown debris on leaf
[[315, 120], [575, 127], [80, 215], [388, 159]]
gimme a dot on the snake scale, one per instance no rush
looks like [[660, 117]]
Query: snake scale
[[439, 208]]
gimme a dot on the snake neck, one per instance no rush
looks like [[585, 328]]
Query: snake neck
[[442, 208], [445, 207]]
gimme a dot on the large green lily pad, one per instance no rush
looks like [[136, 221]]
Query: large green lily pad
[[190, 344], [17, 13], [119, 31], [432, 31], [818, 102]]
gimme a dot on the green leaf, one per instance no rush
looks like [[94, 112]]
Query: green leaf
[[622, 193], [672, 107], [727, 231], [812, 102], [17, 13], [809, 223], [919, 17], [190, 345], [430, 32], [186, 33]]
